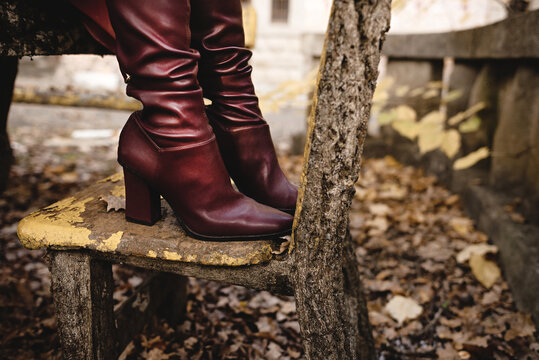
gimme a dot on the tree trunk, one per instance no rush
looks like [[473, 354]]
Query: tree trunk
[[9, 72], [332, 312]]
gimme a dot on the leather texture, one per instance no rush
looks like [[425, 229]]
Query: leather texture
[[153, 48], [225, 74], [242, 133], [195, 182], [251, 161], [170, 145]]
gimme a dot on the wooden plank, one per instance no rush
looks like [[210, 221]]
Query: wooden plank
[[82, 289], [332, 311]]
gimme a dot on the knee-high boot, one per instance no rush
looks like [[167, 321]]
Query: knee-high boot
[[225, 76], [168, 148]]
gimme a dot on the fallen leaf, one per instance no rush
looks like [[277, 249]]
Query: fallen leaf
[[470, 125], [477, 249], [402, 308], [282, 247], [471, 159], [408, 129], [486, 271], [451, 143], [447, 352], [462, 225], [113, 202], [521, 326], [157, 354], [379, 209]]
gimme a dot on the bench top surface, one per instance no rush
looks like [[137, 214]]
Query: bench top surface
[[83, 222]]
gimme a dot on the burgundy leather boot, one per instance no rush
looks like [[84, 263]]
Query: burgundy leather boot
[[225, 76], [168, 148]]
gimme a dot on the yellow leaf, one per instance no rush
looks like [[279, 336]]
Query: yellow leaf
[[408, 129], [434, 117], [430, 141], [471, 159], [402, 90], [454, 120], [462, 225], [387, 117], [452, 96], [470, 125], [435, 84], [417, 92], [381, 93], [431, 93], [406, 113], [486, 271], [431, 132], [451, 143]]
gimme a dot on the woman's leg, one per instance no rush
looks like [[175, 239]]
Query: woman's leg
[[225, 76], [168, 148]]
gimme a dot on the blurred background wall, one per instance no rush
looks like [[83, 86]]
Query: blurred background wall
[[288, 38]]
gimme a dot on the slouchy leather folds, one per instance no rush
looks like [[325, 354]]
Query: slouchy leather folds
[[194, 181], [242, 133], [169, 148], [225, 75]]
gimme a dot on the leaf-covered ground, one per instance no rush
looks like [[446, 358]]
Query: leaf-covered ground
[[410, 232]]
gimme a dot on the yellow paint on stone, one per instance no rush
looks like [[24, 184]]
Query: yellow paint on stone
[[111, 244], [152, 254], [171, 255], [118, 191], [249, 259], [55, 225], [113, 178]]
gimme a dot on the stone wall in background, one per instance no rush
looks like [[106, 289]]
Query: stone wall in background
[[498, 66]]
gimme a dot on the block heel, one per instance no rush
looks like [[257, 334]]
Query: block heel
[[142, 203]]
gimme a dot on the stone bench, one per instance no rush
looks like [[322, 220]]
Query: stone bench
[[84, 240], [320, 267]]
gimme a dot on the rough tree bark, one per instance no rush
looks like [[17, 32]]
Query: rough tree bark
[[332, 311], [9, 72]]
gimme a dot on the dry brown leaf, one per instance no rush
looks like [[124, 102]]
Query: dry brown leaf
[[282, 247], [521, 326], [402, 308], [448, 352], [477, 249], [156, 354], [113, 202], [486, 271], [376, 318], [379, 209], [462, 225]]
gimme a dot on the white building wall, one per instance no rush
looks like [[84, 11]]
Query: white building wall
[[421, 16]]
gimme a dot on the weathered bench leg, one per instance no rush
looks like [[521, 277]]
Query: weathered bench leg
[[162, 294], [82, 289], [9, 65], [173, 306]]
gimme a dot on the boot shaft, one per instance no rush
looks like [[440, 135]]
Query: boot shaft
[[153, 49]]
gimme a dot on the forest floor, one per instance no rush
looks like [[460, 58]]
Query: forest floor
[[432, 282]]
